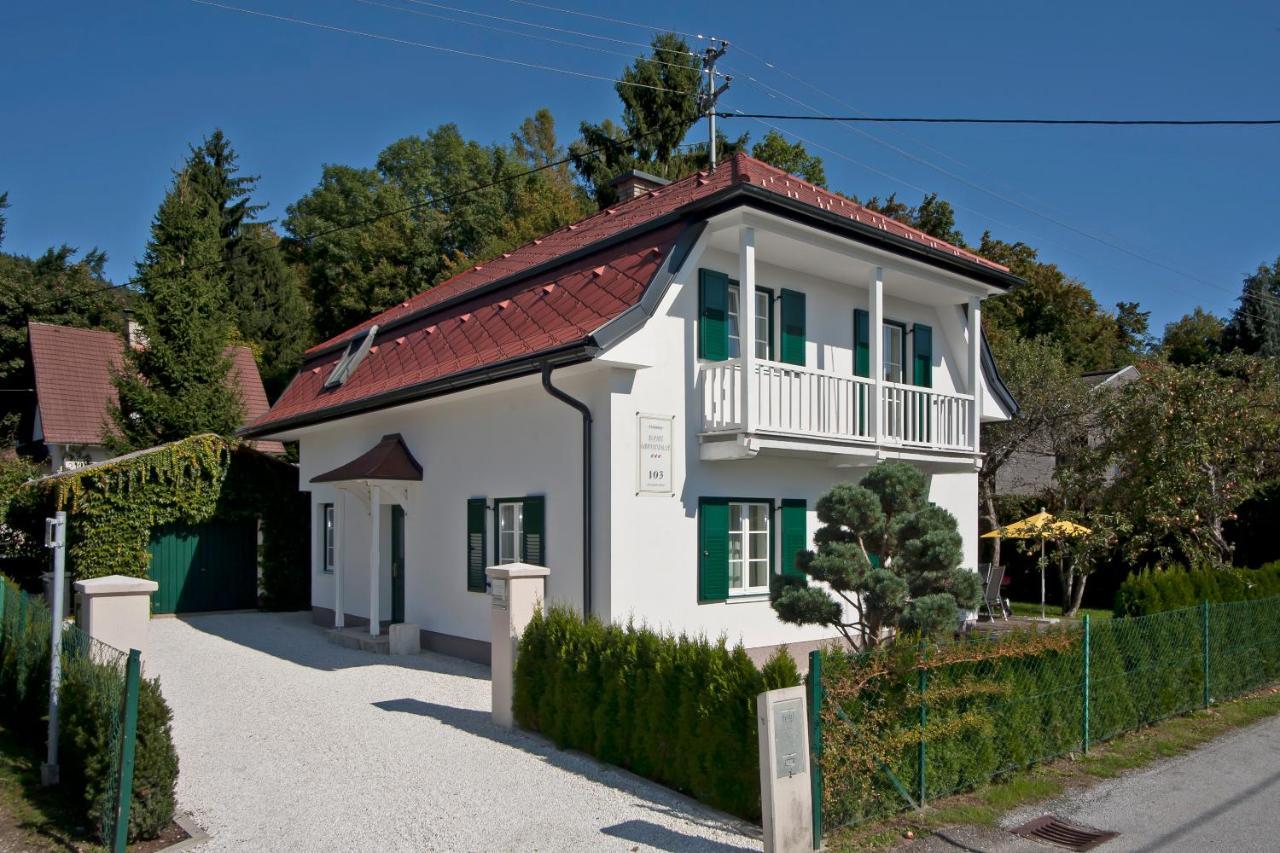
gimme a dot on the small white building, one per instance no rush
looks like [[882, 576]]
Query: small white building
[[649, 402]]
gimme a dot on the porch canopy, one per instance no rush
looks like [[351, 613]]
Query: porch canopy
[[386, 469]]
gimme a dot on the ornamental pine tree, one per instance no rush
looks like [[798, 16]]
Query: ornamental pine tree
[[176, 384], [887, 560]]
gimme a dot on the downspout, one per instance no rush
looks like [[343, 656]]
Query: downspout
[[586, 480]]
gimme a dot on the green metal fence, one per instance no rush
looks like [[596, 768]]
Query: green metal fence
[[893, 729], [99, 686]]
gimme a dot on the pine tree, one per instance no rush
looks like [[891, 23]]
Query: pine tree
[[1255, 324], [177, 385], [270, 313]]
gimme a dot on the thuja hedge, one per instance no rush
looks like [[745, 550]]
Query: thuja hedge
[[1155, 591], [113, 508], [993, 706], [89, 702], [676, 709]]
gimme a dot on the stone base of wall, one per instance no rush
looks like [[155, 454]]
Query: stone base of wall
[[432, 641]]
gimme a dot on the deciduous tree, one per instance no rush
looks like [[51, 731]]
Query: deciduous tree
[[791, 157], [1195, 338]]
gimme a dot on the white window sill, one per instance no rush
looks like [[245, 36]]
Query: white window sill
[[746, 597]]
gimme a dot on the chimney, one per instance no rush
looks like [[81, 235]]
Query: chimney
[[133, 334], [635, 183]]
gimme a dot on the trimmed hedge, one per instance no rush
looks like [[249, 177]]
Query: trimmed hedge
[[676, 709], [1155, 591]]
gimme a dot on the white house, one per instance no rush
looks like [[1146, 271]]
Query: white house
[[649, 402]]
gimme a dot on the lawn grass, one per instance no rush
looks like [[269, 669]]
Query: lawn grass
[[33, 817], [984, 805], [1053, 611]]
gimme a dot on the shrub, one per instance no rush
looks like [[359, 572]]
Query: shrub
[[1155, 591], [676, 709]]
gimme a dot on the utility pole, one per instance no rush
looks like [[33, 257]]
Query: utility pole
[[55, 538], [708, 98]]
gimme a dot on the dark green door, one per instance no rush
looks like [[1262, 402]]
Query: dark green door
[[397, 564], [209, 566]]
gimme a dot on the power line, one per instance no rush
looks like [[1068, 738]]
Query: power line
[[455, 51], [534, 36], [607, 19], [369, 220], [1213, 122]]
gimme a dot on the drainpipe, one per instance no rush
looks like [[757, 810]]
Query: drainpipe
[[586, 481]]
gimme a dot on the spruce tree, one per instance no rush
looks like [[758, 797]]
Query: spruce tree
[[177, 383]]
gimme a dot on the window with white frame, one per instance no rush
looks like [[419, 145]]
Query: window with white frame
[[510, 531], [749, 547], [328, 537], [895, 352], [763, 322]]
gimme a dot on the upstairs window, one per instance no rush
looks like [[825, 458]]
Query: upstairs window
[[357, 349], [763, 322], [895, 351]]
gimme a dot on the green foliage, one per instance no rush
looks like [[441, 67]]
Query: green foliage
[[889, 559], [113, 508], [995, 706], [1188, 446], [934, 216], [430, 208], [1195, 338], [1157, 590], [791, 157], [177, 385], [1255, 324], [679, 710]]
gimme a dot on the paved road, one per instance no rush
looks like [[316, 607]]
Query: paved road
[[1224, 796], [288, 742]]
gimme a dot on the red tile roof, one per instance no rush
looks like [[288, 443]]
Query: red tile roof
[[75, 394], [441, 332]]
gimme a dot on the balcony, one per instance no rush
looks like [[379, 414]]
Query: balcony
[[828, 408]]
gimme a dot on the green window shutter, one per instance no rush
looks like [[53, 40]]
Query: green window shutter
[[874, 559], [861, 343], [713, 315], [795, 534], [475, 544], [713, 549], [793, 332], [533, 548], [922, 346]]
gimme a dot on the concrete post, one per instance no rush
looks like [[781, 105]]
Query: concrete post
[[516, 591], [116, 610], [786, 798]]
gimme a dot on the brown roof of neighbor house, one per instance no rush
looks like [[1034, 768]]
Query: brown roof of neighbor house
[[75, 394], [558, 291], [389, 459]]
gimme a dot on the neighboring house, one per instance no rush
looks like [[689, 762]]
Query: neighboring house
[[738, 341], [75, 394], [1029, 471]]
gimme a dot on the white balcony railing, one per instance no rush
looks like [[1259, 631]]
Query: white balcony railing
[[808, 403]]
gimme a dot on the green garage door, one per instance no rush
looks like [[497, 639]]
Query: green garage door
[[210, 566]]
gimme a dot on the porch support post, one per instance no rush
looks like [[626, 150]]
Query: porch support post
[[375, 559], [975, 369], [747, 321], [875, 324], [339, 519]]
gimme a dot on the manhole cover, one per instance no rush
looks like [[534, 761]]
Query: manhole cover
[[1072, 836]]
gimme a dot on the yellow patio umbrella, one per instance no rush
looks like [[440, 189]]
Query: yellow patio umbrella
[[1042, 526]]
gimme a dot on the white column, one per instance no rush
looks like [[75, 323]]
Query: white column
[[875, 330], [339, 518], [975, 369], [375, 559], [747, 320]]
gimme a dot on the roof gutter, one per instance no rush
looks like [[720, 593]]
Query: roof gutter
[[585, 411]]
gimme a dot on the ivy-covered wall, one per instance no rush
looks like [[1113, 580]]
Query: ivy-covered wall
[[113, 508]]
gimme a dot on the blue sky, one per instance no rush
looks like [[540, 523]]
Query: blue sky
[[101, 99]]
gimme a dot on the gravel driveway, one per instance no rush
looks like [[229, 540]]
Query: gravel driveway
[[289, 742]]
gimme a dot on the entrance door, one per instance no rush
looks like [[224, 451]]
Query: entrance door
[[397, 564]]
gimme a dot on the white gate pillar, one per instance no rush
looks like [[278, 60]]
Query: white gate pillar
[[516, 591]]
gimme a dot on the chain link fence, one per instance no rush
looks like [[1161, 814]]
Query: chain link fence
[[98, 698], [893, 728]]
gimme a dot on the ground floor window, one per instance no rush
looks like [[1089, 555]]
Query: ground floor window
[[510, 531], [749, 547], [328, 537]]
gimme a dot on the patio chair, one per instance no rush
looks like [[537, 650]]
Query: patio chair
[[992, 576]]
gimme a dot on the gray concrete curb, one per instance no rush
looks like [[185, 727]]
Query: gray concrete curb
[[197, 834]]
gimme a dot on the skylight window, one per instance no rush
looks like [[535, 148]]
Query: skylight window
[[357, 349]]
